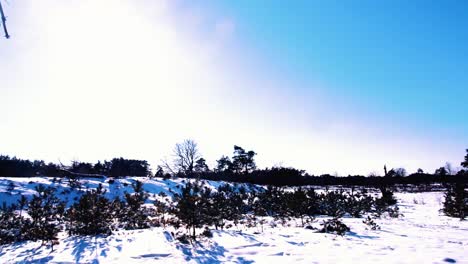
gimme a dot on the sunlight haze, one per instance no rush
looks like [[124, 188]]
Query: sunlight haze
[[93, 80]]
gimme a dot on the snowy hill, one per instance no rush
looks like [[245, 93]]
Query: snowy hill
[[422, 235]]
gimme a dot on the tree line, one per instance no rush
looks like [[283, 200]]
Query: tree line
[[117, 167], [187, 162]]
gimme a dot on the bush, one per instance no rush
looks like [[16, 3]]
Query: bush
[[335, 226], [394, 211], [371, 224], [183, 238], [207, 233]]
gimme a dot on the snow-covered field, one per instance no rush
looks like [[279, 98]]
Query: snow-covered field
[[422, 235]]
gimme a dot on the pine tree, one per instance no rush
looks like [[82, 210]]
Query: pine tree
[[117, 212], [224, 164], [46, 212], [274, 202], [136, 215], [188, 206], [22, 202], [10, 225], [386, 200], [91, 215], [162, 209], [456, 201], [201, 166], [243, 161], [465, 162], [358, 203], [216, 207], [332, 203], [235, 206], [298, 204]]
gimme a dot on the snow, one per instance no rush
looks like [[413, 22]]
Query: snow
[[422, 235]]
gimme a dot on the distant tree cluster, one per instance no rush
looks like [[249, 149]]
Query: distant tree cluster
[[241, 167], [14, 167], [293, 177], [117, 167]]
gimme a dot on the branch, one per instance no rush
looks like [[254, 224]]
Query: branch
[[64, 169], [165, 165], [82, 175], [2, 15]]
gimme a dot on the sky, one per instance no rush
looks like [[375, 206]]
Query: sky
[[339, 87]]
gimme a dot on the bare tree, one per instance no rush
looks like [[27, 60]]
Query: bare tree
[[185, 156]]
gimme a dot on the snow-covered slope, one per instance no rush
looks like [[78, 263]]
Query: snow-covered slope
[[422, 235], [113, 187]]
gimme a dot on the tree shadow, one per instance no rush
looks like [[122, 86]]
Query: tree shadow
[[356, 235], [30, 255], [202, 254], [235, 233], [210, 253], [82, 245], [30, 252]]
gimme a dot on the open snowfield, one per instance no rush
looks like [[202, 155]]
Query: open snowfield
[[422, 235]]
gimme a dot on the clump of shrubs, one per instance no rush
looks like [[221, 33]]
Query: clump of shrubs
[[207, 233], [371, 224], [334, 226], [183, 238], [394, 211]]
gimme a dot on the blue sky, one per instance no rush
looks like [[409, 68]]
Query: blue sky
[[406, 59], [326, 86]]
